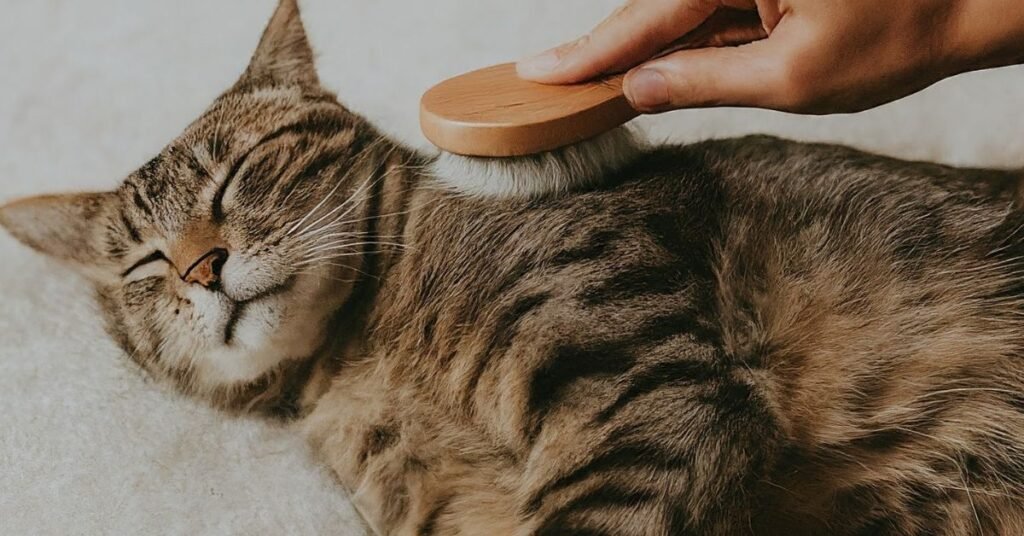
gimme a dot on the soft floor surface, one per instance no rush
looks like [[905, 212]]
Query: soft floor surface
[[90, 90]]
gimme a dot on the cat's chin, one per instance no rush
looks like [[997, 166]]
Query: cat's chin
[[569, 168], [254, 337]]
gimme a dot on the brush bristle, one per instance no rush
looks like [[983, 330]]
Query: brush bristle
[[570, 168]]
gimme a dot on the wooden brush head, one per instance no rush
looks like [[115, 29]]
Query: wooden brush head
[[494, 113]]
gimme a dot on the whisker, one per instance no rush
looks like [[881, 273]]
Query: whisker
[[315, 208], [340, 222], [341, 206], [374, 217], [351, 199], [325, 258], [336, 265], [342, 180], [341, 245], [329, 195], [315, 240]]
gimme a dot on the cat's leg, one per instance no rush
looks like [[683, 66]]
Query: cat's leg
[[684, 444], [410, 470]]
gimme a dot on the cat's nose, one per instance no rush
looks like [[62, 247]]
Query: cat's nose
[[206, 269], [199, 254]]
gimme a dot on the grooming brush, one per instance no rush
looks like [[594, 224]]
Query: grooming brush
[[492, 112]]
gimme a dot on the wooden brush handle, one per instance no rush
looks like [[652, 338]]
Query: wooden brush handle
[[492, 112]]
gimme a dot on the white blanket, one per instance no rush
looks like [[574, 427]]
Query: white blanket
[[90, 90]]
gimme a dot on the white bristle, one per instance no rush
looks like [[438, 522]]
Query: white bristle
[[569, 168]]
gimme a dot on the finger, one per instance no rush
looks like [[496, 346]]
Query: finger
[[731, 76], [727, 27], [634, 33]]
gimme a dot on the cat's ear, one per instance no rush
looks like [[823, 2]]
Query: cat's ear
[[67, 227], [283, 56]]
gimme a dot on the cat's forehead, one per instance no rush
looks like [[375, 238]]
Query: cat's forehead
[[169, 186], [236, 121], [165, 188]]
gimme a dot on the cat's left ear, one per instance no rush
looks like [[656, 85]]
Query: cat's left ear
[[67, 227], [283, 56]]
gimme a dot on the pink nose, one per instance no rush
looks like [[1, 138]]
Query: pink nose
[[206, 269]]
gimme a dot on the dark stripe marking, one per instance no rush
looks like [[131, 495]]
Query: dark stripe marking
[[505, 329], [562, 521], [623, 456], [378, 439], [667, 230], [609, 496], [673, 373], [429, 524], [319, 124], [133, 232], [643, 280], [678, 323], [595, 245], [570, 364], [140, 203]]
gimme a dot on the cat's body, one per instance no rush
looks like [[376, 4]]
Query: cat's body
[[745, 336], [715, 342]]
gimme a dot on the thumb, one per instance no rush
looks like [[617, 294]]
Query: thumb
[[729, 76]]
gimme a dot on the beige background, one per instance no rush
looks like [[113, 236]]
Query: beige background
[[90, 90]]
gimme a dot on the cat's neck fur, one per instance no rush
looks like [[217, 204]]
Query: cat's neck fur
[[563, 170]]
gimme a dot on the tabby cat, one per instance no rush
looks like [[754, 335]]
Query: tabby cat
[[749, 336]]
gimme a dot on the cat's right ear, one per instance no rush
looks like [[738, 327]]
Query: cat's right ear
[[67, 227], [283, 56]]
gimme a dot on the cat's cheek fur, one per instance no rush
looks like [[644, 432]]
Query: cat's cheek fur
[[245, 277], [563, 170]]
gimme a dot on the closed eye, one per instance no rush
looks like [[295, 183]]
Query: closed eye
[[217, 211], [148, 259]]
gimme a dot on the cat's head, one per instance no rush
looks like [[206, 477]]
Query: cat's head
[[225, 257]]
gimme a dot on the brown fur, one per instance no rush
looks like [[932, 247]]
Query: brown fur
[[743, 336]]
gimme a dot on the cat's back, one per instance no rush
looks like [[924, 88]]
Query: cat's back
[[692, 202]]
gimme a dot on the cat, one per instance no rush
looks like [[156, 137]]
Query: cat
[[747, 336]]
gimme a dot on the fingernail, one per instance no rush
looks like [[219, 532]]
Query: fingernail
[[647, 89], [539, 65]]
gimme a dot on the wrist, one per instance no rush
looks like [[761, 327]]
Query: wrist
[[985, 33]]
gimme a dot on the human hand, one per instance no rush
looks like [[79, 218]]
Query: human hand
[[808, 56]]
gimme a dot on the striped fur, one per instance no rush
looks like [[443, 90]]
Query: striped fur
[[749, 336]]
